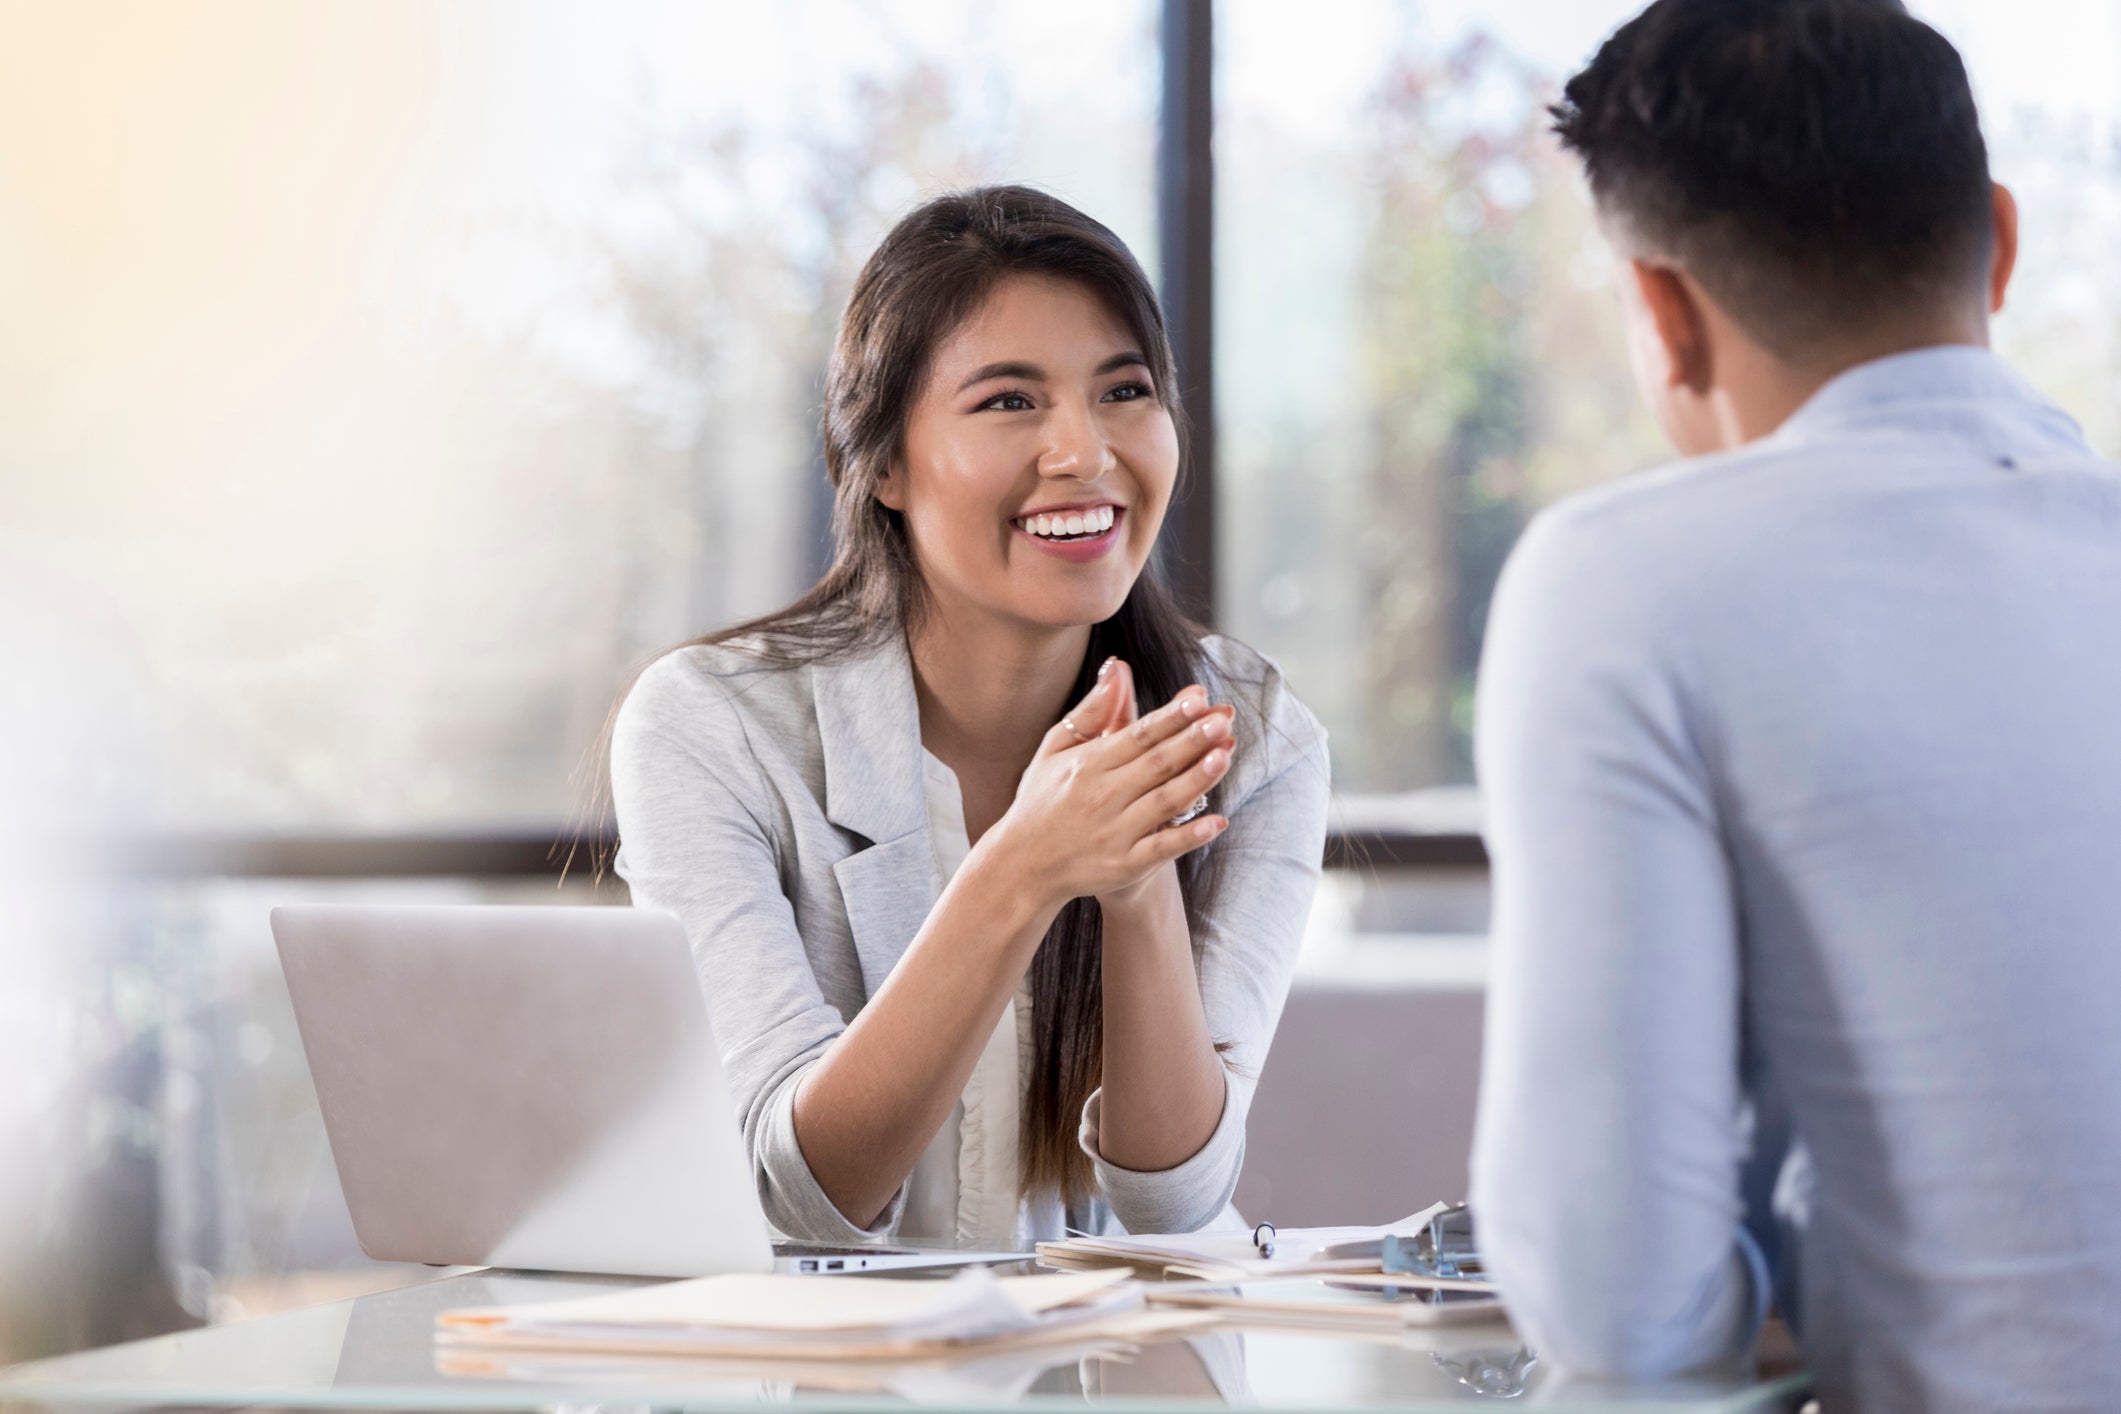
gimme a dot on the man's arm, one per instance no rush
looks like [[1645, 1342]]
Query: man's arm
[[1606, 1157]]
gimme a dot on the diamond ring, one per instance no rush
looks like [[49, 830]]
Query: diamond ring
[[1193, 812]]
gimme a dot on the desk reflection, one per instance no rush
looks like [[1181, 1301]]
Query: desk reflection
[[1501, 1373], [379, 1353], [1200, 1370]]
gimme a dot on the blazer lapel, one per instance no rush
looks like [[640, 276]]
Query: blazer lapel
[[870, 728], [888, 890]]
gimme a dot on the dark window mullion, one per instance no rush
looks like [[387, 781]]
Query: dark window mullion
[[1185, 181]]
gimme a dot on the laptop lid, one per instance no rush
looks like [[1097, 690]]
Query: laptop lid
[[522, 1087]]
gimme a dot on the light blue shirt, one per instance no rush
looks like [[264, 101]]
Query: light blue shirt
[[1803, 776]]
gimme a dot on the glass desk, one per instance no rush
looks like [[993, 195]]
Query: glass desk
[[378, 1352]]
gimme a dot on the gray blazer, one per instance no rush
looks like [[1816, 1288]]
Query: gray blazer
[[780, 815]]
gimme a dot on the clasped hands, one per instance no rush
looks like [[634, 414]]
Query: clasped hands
[[1093, 811]]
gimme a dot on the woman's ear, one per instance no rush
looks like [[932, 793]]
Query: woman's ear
[[891, 486]]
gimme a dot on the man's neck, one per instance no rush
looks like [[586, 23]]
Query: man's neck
[[989, 689], [1758, 392]]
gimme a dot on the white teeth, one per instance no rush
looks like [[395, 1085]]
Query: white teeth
[[1091, 522]]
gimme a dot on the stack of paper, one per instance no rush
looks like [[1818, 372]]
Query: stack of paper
[[814, 1318], [1230, 1256], [1310, 1304]]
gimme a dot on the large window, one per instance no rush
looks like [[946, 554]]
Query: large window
[[385, 383], [1417, 344], [389, 380]]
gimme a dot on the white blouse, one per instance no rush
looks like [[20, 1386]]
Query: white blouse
[[964, 1187]]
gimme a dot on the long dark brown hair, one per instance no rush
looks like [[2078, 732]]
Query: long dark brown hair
[[931, 273]]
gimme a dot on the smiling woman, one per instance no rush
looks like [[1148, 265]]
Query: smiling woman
[[949, 833], [1085, 419]]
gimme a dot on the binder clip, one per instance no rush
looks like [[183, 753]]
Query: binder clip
[[1442, 1249]]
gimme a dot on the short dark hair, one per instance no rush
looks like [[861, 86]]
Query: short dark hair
[[1816, 164]]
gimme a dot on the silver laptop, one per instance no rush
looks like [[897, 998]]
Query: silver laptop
[[533, 1087]]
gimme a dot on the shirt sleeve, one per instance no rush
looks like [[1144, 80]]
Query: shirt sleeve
[[1266, 871], [1610, 1133], [692, 817]]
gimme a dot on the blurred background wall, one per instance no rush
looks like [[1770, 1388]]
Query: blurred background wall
[[382, 383]]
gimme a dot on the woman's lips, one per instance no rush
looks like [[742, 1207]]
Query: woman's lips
[[1077, 551]]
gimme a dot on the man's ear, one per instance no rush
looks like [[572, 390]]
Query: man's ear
[[1675, 322], [2003, 249], [891, 486]]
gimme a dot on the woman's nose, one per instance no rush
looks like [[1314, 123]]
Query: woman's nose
[[1076, 446]]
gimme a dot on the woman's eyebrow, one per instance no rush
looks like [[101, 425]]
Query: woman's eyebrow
[[1032, 373], [1029, 371]]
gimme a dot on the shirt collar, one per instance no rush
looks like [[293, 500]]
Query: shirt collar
[[1958, 390]]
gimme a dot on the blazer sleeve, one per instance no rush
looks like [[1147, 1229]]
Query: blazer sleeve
[[1266, 869], [696, 840]]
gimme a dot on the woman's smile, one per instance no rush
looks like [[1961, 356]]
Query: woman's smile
[[1038, 411], [1078, 533]]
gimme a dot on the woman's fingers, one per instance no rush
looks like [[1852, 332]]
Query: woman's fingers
[[1168, 844], [1098, 800], [1174, 749], [1126, 708], [1176, 796], [1164, 723], [1088, 719]]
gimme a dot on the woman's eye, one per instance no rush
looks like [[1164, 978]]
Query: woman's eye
[[1007, 402], [1126, 393]]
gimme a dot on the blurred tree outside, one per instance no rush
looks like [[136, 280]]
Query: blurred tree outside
[[1476, 374], [1496, 375], [727, 266]]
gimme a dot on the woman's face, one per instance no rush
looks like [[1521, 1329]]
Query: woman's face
[[1038, 462]]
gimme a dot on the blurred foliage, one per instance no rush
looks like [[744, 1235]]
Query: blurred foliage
[[729, 259], [1495, 379]]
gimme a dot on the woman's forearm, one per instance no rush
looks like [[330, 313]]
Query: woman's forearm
[[1086, 822], [873, 1102], [1163, 1081]]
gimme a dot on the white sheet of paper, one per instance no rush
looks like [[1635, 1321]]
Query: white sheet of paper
[[972, 1304]]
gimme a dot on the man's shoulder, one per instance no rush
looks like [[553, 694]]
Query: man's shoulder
[[1695, 523], [1682, 498]]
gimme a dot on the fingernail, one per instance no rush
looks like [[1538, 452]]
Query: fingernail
[[1193, 705], [1105, 668], [1206, 830], [1217, 760], [1216, 727]]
